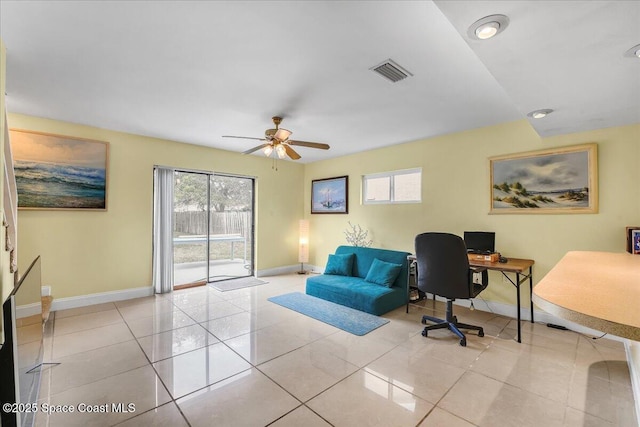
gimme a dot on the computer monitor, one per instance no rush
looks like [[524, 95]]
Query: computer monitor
[[480, 241]]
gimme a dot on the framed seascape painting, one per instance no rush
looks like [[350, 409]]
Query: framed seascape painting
[[59, 172], [560, 180], [330, 195]]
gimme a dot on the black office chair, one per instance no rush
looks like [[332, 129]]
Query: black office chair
[[443, 269]]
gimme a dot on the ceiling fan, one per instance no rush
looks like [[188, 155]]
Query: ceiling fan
[[277, 140]]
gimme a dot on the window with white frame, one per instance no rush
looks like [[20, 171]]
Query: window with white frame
[[402, 186]]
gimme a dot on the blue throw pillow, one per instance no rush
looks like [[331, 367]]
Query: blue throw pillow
[[383, 273], [339, 265]]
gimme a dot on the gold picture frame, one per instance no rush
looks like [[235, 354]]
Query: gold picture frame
[[558, 180], [56, 172]]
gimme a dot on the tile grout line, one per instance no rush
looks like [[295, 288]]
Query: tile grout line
[[159, 378]]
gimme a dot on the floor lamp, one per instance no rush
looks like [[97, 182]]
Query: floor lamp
[[303, 245]]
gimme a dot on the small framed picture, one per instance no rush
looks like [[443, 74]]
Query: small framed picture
[[330, 195], [633, 234]]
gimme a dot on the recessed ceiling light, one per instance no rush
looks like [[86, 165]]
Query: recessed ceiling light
[[634, 52], [538, 114], [488, 27]]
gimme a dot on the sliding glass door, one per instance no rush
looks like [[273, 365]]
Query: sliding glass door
[[212, 227], [231, 227]]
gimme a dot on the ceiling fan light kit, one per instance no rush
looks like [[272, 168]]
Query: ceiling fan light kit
[[278, 140], [488, 27], [282, 134]]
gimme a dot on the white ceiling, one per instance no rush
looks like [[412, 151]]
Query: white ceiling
[[192, 71]]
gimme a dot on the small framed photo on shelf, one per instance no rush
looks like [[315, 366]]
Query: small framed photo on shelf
[[633, 240]]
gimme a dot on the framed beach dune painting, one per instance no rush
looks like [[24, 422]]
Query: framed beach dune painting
[[559, 180], [59, 172]]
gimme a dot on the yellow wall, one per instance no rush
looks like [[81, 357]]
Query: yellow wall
[[92, 252], [456, 197]]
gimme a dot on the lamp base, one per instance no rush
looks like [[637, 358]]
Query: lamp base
[[302, 270]]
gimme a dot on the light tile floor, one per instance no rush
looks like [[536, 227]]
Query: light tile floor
[[200, 357]]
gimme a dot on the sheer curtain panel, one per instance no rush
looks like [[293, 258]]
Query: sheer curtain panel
[[163, 230]]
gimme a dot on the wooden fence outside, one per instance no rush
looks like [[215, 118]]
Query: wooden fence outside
[[195, 222]]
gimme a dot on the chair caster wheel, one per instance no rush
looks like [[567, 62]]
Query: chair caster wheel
[[463, 342], [425, 333], [424, 321], [480, 334]]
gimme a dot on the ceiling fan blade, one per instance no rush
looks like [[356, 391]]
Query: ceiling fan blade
[[251, 150], [243, 137], [291, 152], [309, 144]]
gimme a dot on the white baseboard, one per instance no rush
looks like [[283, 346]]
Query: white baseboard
[[28, 310], [99, 298], [509, 310], [285, 270], [91, 299]]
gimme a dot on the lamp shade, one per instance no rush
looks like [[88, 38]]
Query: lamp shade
[[303, 243]]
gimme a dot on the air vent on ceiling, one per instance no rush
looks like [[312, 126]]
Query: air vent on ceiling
[[391, 71]]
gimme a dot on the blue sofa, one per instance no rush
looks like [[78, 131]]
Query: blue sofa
[[352, 290]]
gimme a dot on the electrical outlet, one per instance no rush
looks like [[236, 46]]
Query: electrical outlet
[[46, 291], [477, 278]]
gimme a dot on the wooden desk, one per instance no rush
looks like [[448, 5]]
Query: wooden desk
[[599, 290], [522, 268]]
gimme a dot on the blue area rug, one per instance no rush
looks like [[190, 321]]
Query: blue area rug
[[350, 320]]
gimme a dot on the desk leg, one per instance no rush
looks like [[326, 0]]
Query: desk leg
[[531, 292], [518, 298]]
